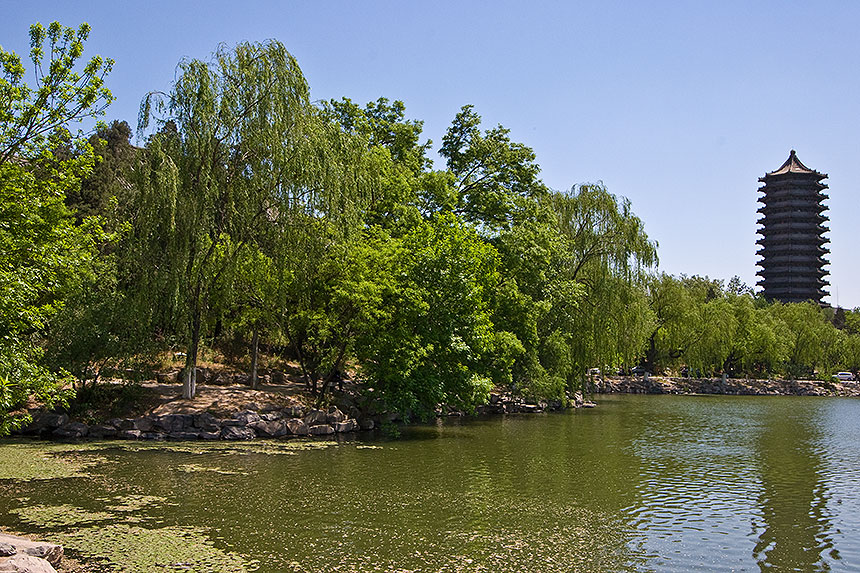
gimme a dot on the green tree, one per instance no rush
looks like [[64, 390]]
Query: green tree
[[42, 252], [246, 149], [436, 342]]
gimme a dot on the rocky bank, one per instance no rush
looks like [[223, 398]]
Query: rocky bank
[[731, 386]]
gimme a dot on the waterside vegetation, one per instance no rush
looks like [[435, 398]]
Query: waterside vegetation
[[258, 224]]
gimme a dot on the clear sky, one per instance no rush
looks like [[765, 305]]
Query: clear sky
[[679, 106]]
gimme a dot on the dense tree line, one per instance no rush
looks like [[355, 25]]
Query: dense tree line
[[252, 215]]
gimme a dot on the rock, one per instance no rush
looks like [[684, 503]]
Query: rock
[[26, 564], [271, 416], [123, 424], [345, 426], [143, 424], [241, 379], [366, 424], [270, 429], [7, 549], [47, 422], [49, 551], [129, 434], [206, 421], [172, 423], [320, 430], [71, 430], [334, 415], [315, 417], [204, 375], [237, 433], [102, 431], [247, 417], [170, 377], [294, 412], [153, 436], [221, 379], [204, 435], [297, 427]]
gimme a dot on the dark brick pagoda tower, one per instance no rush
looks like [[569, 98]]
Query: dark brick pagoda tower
[[792, 243]]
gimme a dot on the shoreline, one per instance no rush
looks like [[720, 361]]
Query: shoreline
[[237, 412], [721, 386]]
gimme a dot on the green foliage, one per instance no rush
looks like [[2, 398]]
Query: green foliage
[[251, 164], [42, 252], [435, 342], [493, 176], [62, 93]]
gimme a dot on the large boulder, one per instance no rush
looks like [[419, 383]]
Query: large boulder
[[172, 423], [315, 417], [206, 421], [320, 430], [22, 563], [71, 430], [144, 424], [50, 552], [46, 423], [237, 433], [297, 427], [346, 426], [270, 429], [221, 379], [334, 415], [102, 431], [247, 417]]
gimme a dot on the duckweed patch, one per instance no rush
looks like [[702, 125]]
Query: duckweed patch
[[132, 503], [132, 549], [194, 468], [57, 516], [26, 461]]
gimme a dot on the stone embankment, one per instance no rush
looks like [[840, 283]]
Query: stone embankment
[[270, 421], [243, 425], [734, 386], [21, 555]]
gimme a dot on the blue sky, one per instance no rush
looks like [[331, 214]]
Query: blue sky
[[679, 106]]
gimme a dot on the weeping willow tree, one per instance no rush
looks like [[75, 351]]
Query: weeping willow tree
[[607, 253], [240, 161]]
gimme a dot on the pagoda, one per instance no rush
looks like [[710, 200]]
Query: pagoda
[[792, 243]]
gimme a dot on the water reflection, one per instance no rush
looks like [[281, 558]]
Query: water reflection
[[795, 527], [642, 483]]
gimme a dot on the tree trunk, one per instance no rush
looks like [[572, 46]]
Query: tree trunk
[[189, 386], [255, 346]]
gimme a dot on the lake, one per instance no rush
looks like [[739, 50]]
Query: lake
[[641, 483]]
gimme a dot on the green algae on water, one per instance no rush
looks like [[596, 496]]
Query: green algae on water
[[26, 460], [132, 549], [57, 516]]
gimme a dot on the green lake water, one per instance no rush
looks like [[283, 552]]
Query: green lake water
[[641, 483]]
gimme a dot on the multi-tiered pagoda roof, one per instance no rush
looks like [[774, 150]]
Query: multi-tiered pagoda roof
[[793, 227]]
